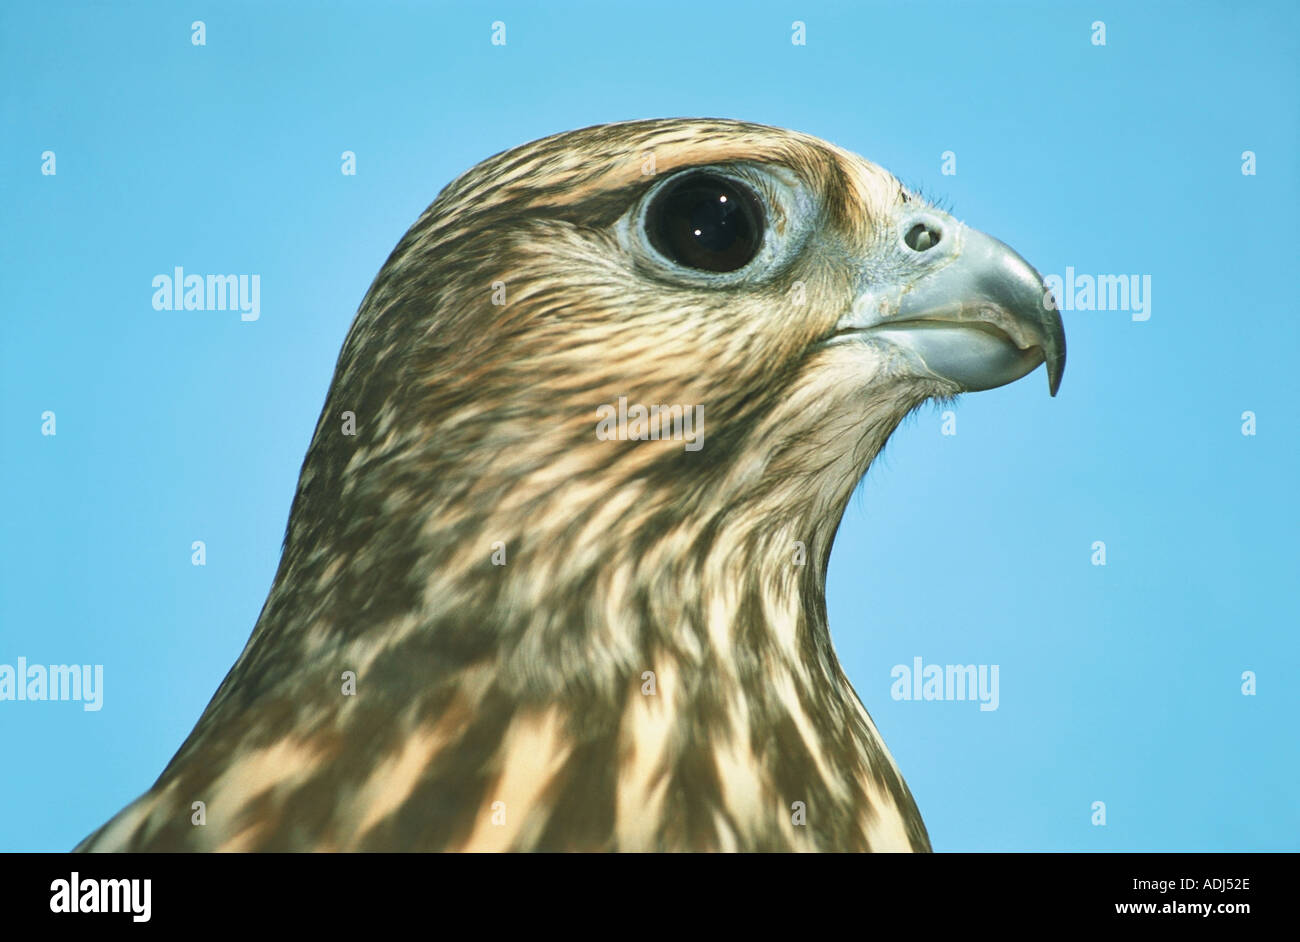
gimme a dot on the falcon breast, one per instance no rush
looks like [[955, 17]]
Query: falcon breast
[[554, 574]]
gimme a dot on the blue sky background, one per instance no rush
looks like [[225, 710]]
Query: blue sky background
[[1119, 684]]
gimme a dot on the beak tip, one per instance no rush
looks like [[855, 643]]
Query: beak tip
[[1055, 371]]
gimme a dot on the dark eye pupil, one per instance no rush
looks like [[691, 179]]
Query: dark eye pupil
[[706, 222]]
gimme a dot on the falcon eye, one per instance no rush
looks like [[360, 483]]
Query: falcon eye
[[707, 222]]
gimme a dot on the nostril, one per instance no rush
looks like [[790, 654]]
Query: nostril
[[922, 236]]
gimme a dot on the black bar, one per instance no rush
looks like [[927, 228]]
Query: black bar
[[333, 892]]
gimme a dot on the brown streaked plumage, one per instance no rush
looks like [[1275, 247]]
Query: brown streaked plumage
[[503, 707]]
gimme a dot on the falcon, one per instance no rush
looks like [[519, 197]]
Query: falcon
[[517, 608]]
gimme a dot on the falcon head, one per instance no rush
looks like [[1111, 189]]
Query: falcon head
[[574, 636]]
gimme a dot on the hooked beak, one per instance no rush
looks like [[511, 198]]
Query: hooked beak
[[983, 318]]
